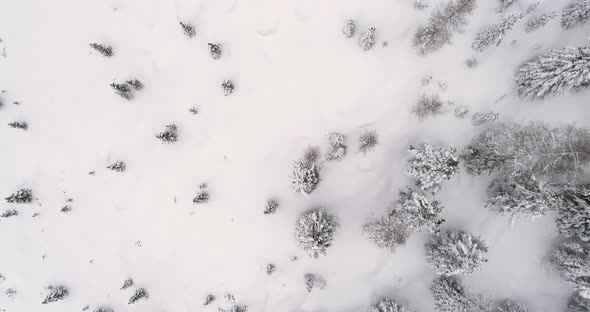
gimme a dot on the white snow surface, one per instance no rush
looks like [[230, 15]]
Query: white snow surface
[[297, 78]]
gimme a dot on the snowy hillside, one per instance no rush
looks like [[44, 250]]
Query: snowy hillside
[[295, 155]]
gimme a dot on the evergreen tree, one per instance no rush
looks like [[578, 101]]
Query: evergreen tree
[[208, 299], [305, 177], [511, 306], [431, 166], [537, 22], [169, 135], [572, 262], [215, 50], [105, 50], [271, 206], [104, 309], [386, 232], [554, 72], [118, 166], [123, 90], [228, 87], [127, 283], [573, 219], [575, 14], [578, 303], [314, 281], [140, 294], [339, 149], [521, 195], [427, 106], [22, 196], [315, 232], [56, 293], [447, 19], [416, 212], [367, 141], [461, 111], [479, 119], [367, 39], [455, 252], [349, 28], [534, 148], [23, 125], [9, 213], [387, 305], [450, 296], [504, 4], [188, 29], [203, 195], [494, 34]]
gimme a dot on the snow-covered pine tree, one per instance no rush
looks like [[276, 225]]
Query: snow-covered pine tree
[[21, 196], [23, 125], [533, 148], [314, 232], [455, 251], [575, 14], [532, 7], [228, 87], [56, 293], [135, 83], [504, 4], [367, 141], [460, 111], [431, 166], [339, 149], [511, 306], [415, 212], [447, 19], [367, 39], [573, 219], [494, 34], [103, 49], [9, 213], [208, 299], [572, 262], [450, 296], [387, 305], [386, 232], [305, 177], [420, 4], [349, 28], [578, 303], [215, 50], [539, 21], [270, 269], [169, 135], [127, 283], [104, 309], [554, 72], [427, 106], [203, 195], [123, 90], [521, 195], [188, 29], [479, 118], [140, 294], [314, 281], [271, 206], [118, 166]]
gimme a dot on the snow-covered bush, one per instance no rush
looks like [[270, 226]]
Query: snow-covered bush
[[312, 154], [203, 195], [511, 306], [118, 165], [537, 22], [431, 166], [349, 28], [305, 177], [103, 49], [127, 283], [578, 303], [367, 39], [367, 141], [415, 212], [270, 269], [169, 135], [228, 87], [10, 292], [575, 14], [427, 106], [521, 195], [494, 34], [314, 281], [386, 232], [339, 149], [455, 252], [188, 29], [22, 196], [572, 262], [314, 232], [573, 219], [140, 294], [271, 206], [387, 305], [235, 308], [504, 4], [461, 111], [215, 50], [23, 125], [123, 90], [208, 299], [479, 118], [450, 296], [56, 293], [534, 148], [104, 309], [449, 18], [554, 72], [9, 213]]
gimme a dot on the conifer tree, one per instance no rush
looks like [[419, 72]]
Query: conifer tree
[[494, 34], [455, 252], [573, 219], [575, 14], [315, 232], [431, 166], [415, 211], [572, 261]]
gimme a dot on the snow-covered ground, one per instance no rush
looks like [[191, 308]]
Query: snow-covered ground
[[297, 78]]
